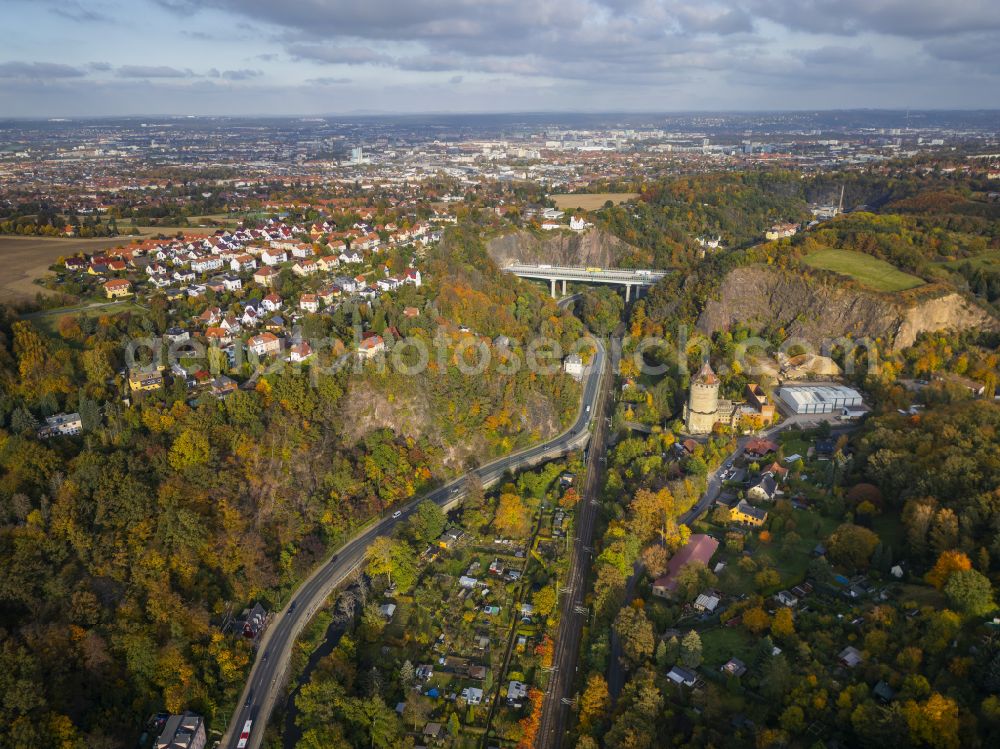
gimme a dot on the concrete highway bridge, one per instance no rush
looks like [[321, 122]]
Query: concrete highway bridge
[[628, 278]]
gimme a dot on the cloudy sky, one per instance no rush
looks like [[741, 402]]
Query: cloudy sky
[[115, 57]]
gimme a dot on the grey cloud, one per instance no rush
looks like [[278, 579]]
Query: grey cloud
[[151, 71], [243, 74], [981, 50], [906, 18], [327, 81], [38, 70], [337, 55], [100, 67]]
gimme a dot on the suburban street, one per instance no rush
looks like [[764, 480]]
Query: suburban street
[[267, 677], [616, 673], [555, 706]]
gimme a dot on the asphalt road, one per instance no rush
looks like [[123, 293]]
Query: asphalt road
[[267, 677], [573, 616]]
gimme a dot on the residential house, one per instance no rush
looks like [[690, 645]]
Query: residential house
[[371, 345], [305, 268], [299, 353], [699, 548], [707, 602], [758, 448], [139, 380], [232, 283], [63, 425], [265, 277], [273, 257], [747, 514], [763, 488], [328, 263], [682, 676], [271, 303], [206, 264], [733, 667], [265, 344], [780, 231], [117, 288], [176, 335], [328, 293], [223, 386], [785, 598], [253, 621], [850, 656], [472, 695], [211, 316], [309, 303], [243, 263], [185, 731], [516, 691]]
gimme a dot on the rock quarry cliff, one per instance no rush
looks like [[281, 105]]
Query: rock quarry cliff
[[816, 308], [593, 247]]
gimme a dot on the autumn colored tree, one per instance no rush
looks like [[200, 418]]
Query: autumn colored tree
[[594, 701], [636, 633], [947, 562], [783, 623], [569, 498], [934, 722], [655, 560], [529, 724], [756, 620], [544, 600], [512, 519]]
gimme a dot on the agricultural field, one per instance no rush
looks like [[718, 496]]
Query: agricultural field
[[865, 269], [28, 258], [592, 201]]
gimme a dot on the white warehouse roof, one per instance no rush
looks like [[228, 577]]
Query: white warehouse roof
[[819, 398]]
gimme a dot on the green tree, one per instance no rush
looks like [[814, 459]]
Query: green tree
[[690, 654], [427, 522], [971, 592], [852, 546]]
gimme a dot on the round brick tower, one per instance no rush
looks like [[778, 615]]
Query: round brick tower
[[703, 401]]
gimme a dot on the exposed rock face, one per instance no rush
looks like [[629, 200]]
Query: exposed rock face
[[816, 309], [589, 248]]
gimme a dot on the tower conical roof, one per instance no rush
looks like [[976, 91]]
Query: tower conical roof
[[706, 375]]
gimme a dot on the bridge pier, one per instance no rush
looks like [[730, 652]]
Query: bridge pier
[[552, 285], [628, 293], [564, 287]]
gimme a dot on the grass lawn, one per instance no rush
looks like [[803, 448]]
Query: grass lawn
[[985, 260], [49, 321], [591, 202], [872, 272], [890, 531], [794, 443], [722, 643]]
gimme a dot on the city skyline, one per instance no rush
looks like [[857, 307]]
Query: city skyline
[[322, 57]]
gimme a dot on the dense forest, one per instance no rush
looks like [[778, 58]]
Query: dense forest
[[124, 548]]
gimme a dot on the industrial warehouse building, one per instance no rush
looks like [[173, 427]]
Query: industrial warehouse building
[[819, 399]]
